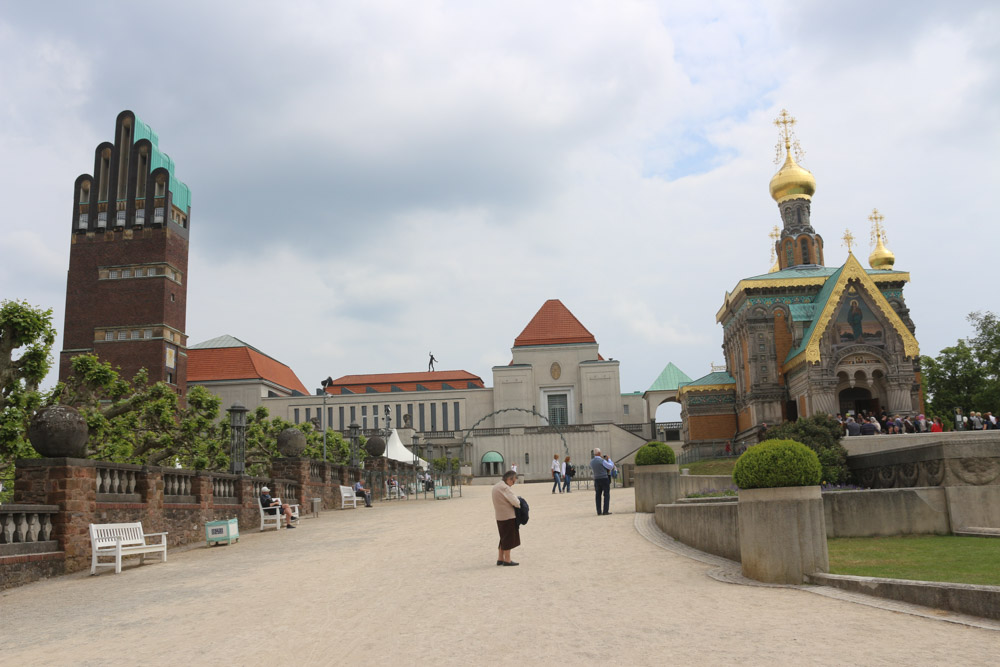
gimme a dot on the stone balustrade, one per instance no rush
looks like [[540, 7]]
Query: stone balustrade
[[47, 532]]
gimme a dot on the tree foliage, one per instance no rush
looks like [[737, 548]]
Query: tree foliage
[[820, 433], [26, 339], [965, 375]]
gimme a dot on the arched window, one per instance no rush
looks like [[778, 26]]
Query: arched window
[[104, 175], [805, 251], [140, 173], [124, 151]]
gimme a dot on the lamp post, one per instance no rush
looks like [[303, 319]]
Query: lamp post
[[322, 420], [354, 429], [237, 438]]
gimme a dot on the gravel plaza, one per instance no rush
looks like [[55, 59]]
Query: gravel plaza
[[415, 582]]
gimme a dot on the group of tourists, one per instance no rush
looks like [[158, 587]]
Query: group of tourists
[[563, 473], [871, 424], [975, 421]]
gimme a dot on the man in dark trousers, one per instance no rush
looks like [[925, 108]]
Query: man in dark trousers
[[602, 481]]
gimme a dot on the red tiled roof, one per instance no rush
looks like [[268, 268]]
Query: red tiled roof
[[384, 382], [239, 363], [553, 324]]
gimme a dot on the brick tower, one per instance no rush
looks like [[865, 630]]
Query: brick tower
[[126, 292]]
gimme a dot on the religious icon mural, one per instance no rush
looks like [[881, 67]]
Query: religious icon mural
[[856, 323]]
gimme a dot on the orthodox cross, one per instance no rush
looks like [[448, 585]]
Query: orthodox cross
[[774, 236], [848, 239], [786, 124], [876, 219]]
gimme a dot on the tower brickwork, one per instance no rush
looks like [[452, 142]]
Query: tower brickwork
[[126, 289]]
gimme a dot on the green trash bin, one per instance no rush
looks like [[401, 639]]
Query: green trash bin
[[226, 530]]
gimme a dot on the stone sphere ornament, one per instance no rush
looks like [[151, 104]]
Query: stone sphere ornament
[[375, 446], [291, 442], [59, 431]]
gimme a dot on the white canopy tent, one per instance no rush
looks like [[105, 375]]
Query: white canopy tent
[[397, 451]]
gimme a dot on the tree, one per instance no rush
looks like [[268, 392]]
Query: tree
[[26, 339], [966, 375], [820, 433]]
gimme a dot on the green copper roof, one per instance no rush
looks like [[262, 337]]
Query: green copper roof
[[814, 272], [670, 379], [818, 305], [716, 377], [802, 312], [180, 192], [492, 457]]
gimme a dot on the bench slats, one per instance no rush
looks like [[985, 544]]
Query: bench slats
[[115, 540]]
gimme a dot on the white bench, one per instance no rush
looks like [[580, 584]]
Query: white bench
[[115, 540], [347, 497], [273, 520]]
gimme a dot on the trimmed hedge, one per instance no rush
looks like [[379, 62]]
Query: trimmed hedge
[[654, 454], [775, 463]]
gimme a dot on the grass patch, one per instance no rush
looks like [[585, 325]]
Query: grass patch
[[963, 560], [711, 466]]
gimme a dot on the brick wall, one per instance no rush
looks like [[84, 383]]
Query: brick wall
[[711, 427], [132, 493]]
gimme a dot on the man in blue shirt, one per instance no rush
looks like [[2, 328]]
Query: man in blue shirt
[[602, 481]]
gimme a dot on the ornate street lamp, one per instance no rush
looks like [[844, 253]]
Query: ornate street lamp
[[237, 438], [326, 384], [354, 431]]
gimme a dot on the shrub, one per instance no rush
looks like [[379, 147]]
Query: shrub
[[655, 453], [775, 463], [820, 433]]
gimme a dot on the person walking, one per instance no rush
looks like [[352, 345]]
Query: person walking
[[556, 474], [504, 502], [602, 481], [569, 472]]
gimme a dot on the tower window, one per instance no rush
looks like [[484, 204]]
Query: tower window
[[109, 335], [147, 334], [140, 273], [135, 335], [122, 335], [805, 252], [126, 273]]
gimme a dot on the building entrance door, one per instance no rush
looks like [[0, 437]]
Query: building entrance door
[[856, 400]]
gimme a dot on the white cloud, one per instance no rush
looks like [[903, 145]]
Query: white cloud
[[372, 182]]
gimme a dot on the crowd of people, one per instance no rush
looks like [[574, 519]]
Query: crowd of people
[[865, 423]]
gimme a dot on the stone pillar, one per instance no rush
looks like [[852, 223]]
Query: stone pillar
[[656, 485], [782, 534], [72, 485]]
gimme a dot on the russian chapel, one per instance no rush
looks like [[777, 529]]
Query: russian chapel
[[806, 338]]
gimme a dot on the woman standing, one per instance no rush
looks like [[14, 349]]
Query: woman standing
[[568, 472], [556, 472], [504, 502]]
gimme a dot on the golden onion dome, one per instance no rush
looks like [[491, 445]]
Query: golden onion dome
[[792, 181], [881, 257]]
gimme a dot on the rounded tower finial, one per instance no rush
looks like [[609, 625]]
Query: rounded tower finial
[[881, 258], [791, 181]]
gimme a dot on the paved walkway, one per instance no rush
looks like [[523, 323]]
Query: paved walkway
[[415, 582]]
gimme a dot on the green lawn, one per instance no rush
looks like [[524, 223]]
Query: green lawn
[[711, 466], [965, 560]]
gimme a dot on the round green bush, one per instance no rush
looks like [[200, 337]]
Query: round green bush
[[775, 463], [655, 454]]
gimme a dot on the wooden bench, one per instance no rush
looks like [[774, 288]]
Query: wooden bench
[[269, 520], [347, 497], [115, 540]]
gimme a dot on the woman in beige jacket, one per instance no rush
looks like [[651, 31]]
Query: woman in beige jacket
[[504, 502]]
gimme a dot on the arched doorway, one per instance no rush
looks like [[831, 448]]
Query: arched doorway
[[854, 400], [491, 464]]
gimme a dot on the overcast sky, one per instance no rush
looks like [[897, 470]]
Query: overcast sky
[[374, 181]]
